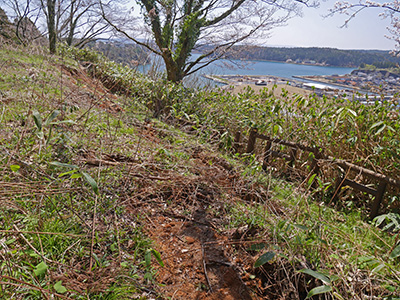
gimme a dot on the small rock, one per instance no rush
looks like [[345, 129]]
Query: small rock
[[190, 240]]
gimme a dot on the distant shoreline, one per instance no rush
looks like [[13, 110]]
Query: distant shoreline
[[325, 82], [237, 80], [302, 64], [238, 83], [293, 63]]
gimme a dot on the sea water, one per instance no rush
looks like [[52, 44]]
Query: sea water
[[279, 69], [247, 67]]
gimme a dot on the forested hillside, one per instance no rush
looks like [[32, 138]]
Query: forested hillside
[[131, 54], [328, 56]]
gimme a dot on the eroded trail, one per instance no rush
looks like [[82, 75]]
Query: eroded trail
[[199, 265], [204, 257]]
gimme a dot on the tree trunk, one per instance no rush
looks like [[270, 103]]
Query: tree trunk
[[72, 24], [51, 25], [71, 34], [174, 72]]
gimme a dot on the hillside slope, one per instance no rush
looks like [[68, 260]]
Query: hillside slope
[[101, 201]]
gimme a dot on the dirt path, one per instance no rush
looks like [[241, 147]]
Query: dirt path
[[186, 218], [197, 266]]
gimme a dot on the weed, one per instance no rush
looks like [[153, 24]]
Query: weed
[[65, 232]]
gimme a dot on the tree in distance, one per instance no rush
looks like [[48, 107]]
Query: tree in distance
[[172, 29], [21, 29], [75, 22]]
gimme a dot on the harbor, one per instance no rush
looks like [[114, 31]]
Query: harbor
[[304, 85]]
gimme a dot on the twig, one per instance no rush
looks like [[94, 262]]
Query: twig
[[171, 214], [26, 164], [205, 269], [33, 248], [151, 177], [93, 229], [118, 238], [39, 232], [339, 186], [138, 286], [100, 162]]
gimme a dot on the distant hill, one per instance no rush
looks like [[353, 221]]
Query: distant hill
[[120, 52], [131, 54], [326, 56]]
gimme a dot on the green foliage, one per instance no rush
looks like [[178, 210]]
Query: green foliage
[[316, 275], [160, 96], [48, 125], [76, 173], [366, 134], [40, 269], [319, 290], [385, 65], [59, 287], [15, 168], [390, 220], [320, 236], [48, 220], [57, 215], [264, 258], [147, 260], [396, 252], [80, 54]]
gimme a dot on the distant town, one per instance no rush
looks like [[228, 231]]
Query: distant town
[[360, 84], [306, 62], [378, 82]]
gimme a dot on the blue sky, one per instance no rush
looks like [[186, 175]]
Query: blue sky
[[366, 31]]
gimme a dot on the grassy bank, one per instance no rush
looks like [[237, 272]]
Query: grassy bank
[[102, 201]]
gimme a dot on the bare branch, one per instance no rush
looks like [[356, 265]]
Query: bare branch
[[388, 10], [124, 33]]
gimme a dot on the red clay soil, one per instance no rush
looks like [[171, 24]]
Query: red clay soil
[[197, 266], [186, 219]]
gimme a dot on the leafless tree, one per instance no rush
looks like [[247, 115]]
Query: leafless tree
[[74, 21], [173, 29], [24, 15], [79, 21]]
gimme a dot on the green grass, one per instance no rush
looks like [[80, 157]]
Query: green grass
[[49, 219], [52, 214]]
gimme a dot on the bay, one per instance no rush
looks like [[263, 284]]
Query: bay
[[247, 67], [279, 69]]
